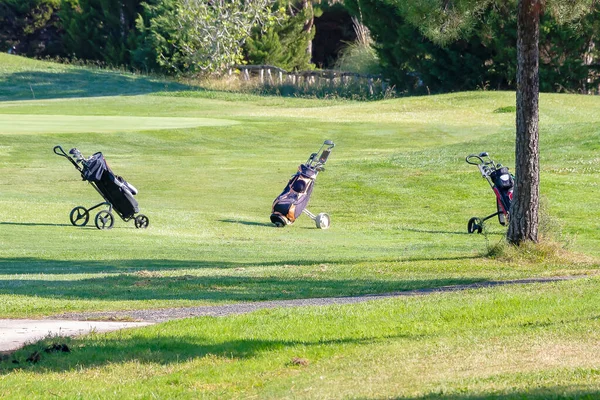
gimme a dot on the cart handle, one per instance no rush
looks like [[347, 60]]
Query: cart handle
[[59, 151], [470, 158]]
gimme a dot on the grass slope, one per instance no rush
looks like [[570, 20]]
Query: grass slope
[[399, 193], [539, 342]]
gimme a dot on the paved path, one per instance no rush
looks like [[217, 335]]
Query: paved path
[[16, 333], [166, 314]]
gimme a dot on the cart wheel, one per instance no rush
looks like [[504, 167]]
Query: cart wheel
[[323, 221], [475, 225], [141, 221], [79, 216], [104, 220], [278, 221]]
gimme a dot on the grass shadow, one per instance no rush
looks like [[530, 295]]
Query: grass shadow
[[160, 349], [147, 346], [80, 82], [574, 392], [218, 289], [250, 223], [31, 265], [444, 232], [32, 224], [154, 345], [89, 226]]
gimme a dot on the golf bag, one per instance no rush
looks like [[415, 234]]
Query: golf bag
[[116, 191], [502, 184], [292, 202]]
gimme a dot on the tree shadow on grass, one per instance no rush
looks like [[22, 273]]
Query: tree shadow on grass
[[446, 232], [89, 226], [31, 265], [146, 345], [32, 224], [574, 392], [70, 83], [250, 223], [220, 288], [153, 345]]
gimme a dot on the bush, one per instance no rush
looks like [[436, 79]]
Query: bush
[[30, 26], [359, 56]]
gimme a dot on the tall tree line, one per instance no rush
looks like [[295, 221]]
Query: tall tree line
[[161, 35], [484, 55], [148, 35]]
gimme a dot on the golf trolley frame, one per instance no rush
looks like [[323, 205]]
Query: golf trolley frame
[[315, 162], [104, 219], [488, 167]]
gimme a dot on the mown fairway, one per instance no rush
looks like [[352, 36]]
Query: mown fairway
[[208, 166]]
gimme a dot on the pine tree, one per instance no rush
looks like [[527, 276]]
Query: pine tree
[[101, 30], [283, 44]]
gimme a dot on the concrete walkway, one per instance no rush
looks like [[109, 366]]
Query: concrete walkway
[[15, 333]]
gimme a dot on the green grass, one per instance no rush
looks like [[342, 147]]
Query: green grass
[[208, 165], [43, 124], [534, 342]]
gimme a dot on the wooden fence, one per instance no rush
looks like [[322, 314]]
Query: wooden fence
[[275, 76]]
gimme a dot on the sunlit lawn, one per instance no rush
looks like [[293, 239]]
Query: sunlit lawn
[[208, 166]]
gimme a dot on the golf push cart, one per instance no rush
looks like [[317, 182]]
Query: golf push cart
[[292, 202], [502, 184], [116, 192]]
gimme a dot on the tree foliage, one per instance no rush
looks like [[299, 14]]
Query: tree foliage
[[444, 21], [203, 37], [155, 41], [101, 30], [283, 44], [485, 56], [31, 26]]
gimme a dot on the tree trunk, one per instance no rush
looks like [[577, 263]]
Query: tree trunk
[[308, 24], [524, 209]]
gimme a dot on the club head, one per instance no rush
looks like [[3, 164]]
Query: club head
[[76, 154], [328, 143], [484, 154]]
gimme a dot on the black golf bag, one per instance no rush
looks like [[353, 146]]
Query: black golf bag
[[116, 191], [502, 183], [292, 202]]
